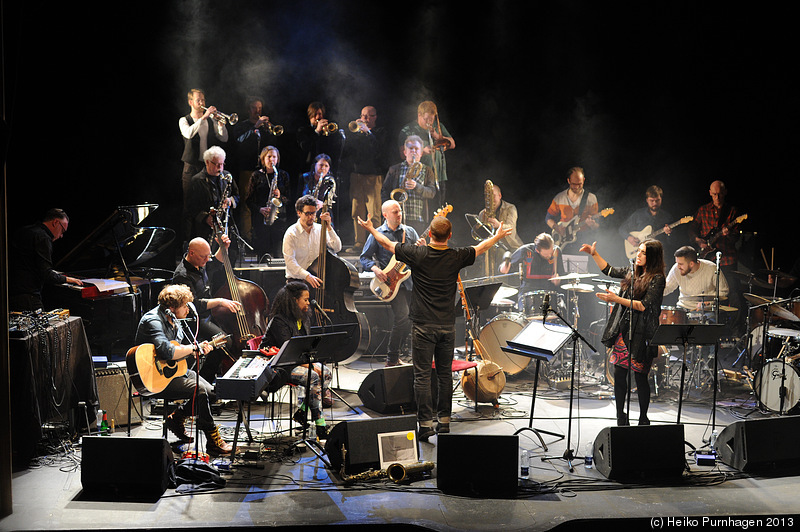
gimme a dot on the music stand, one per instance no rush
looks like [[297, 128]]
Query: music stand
[[541, 343], [300, 350], [350, 330], [686, 335]]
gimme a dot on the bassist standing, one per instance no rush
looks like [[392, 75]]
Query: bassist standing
[[375, 258]]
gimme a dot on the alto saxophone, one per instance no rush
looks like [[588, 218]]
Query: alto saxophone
[[274, 202]]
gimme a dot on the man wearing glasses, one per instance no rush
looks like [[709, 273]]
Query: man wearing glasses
[[31, 262], [301, 241]]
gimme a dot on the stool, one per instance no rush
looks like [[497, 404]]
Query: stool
[[462, 365]]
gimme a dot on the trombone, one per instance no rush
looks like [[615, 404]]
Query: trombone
[[225, 119]]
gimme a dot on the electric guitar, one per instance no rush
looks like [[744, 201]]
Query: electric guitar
[[647, 232], [151, 375], [574, 226], [396, 271], [714, 235]]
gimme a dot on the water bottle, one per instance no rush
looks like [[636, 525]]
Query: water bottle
[[588, 456], [524, 464]]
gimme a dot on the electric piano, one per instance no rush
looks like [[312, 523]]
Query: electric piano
[[245, 380]]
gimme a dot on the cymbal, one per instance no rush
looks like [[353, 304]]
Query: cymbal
[[504, 292], [577, 287], [725, 308], [778, 273], [571, 277], [774, 308]]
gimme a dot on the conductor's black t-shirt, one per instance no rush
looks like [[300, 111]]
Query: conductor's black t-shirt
[[434, 270]]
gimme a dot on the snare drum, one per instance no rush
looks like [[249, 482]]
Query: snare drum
[[672, 316], [771, 379], [530, 303], [495, 335]]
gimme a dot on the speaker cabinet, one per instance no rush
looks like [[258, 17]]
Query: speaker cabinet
[[360, 440], [389, 390], [640, 453], [120, 467], [112, 392], [477, 465], [761, 445]]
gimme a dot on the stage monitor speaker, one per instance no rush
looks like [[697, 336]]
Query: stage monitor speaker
[[114, 467], [761, 445], [389, 390], [650, 452], [112, 392], [477, 465], [360, 440]]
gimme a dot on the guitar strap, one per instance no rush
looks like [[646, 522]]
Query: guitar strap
[[582, 206], [723, 215]]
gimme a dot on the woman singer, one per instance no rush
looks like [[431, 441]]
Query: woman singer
[[633, 322]]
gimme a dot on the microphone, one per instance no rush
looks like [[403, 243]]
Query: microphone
[[719, 256], [172, 315], [545, 307], [191, 306], [316, 306]]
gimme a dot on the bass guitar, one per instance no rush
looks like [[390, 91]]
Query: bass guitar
[[396, 272], [714, 235], [572, 227], [647, 232], [151, 375]]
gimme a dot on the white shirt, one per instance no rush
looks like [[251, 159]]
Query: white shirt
[[301, 248], [703, 281], [200, 127]]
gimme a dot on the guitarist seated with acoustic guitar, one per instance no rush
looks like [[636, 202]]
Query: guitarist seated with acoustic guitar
[[375, 258], [161, 328]]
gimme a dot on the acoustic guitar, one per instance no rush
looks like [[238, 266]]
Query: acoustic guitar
[[150, 374]]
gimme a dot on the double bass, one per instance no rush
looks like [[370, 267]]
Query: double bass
[[250, 320], [335, 294]]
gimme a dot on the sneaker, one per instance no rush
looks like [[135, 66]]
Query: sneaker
[[176, 424], [392, 360], [215, 444], [425, 433], [443, 428]]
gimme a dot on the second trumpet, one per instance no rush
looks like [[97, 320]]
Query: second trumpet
[[330, 127]]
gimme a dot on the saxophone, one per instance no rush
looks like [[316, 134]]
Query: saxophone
[[222, 211], [274, 202]]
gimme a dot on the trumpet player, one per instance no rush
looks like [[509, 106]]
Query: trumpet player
[[251, 135], [268, 190], [200, 130], [411, 183], [319, 135], [366, 147]]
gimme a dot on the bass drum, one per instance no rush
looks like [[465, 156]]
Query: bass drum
[[495, 335], [771, 379]]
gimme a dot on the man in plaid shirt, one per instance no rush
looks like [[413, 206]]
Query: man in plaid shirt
[[420, 189], [714, 216]]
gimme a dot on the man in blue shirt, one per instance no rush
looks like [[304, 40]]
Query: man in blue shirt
[[375, 258]]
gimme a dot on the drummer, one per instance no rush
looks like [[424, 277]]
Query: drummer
[[697, 281], [540, 261]]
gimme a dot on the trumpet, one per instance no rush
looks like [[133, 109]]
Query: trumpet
[[355, 126], [225, 119], [330, 127], [275, 130]]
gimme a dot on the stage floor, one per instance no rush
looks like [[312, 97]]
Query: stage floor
[[280, 490]]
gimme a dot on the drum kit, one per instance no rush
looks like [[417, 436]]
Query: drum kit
[[774, 351], [511, 318]]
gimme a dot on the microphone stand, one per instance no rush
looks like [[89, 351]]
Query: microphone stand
[[193, 340], [716, 362], [630, 340], [322, 364], [568, 455]]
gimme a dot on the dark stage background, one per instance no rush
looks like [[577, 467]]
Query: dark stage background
[[674, 93]]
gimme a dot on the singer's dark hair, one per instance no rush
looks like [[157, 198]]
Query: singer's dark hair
[[175, 296], [653, 266], [285, 302]]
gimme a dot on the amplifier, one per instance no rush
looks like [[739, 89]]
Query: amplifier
[[112, 392]]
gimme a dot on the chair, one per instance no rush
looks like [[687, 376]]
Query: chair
[[460, 365]]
